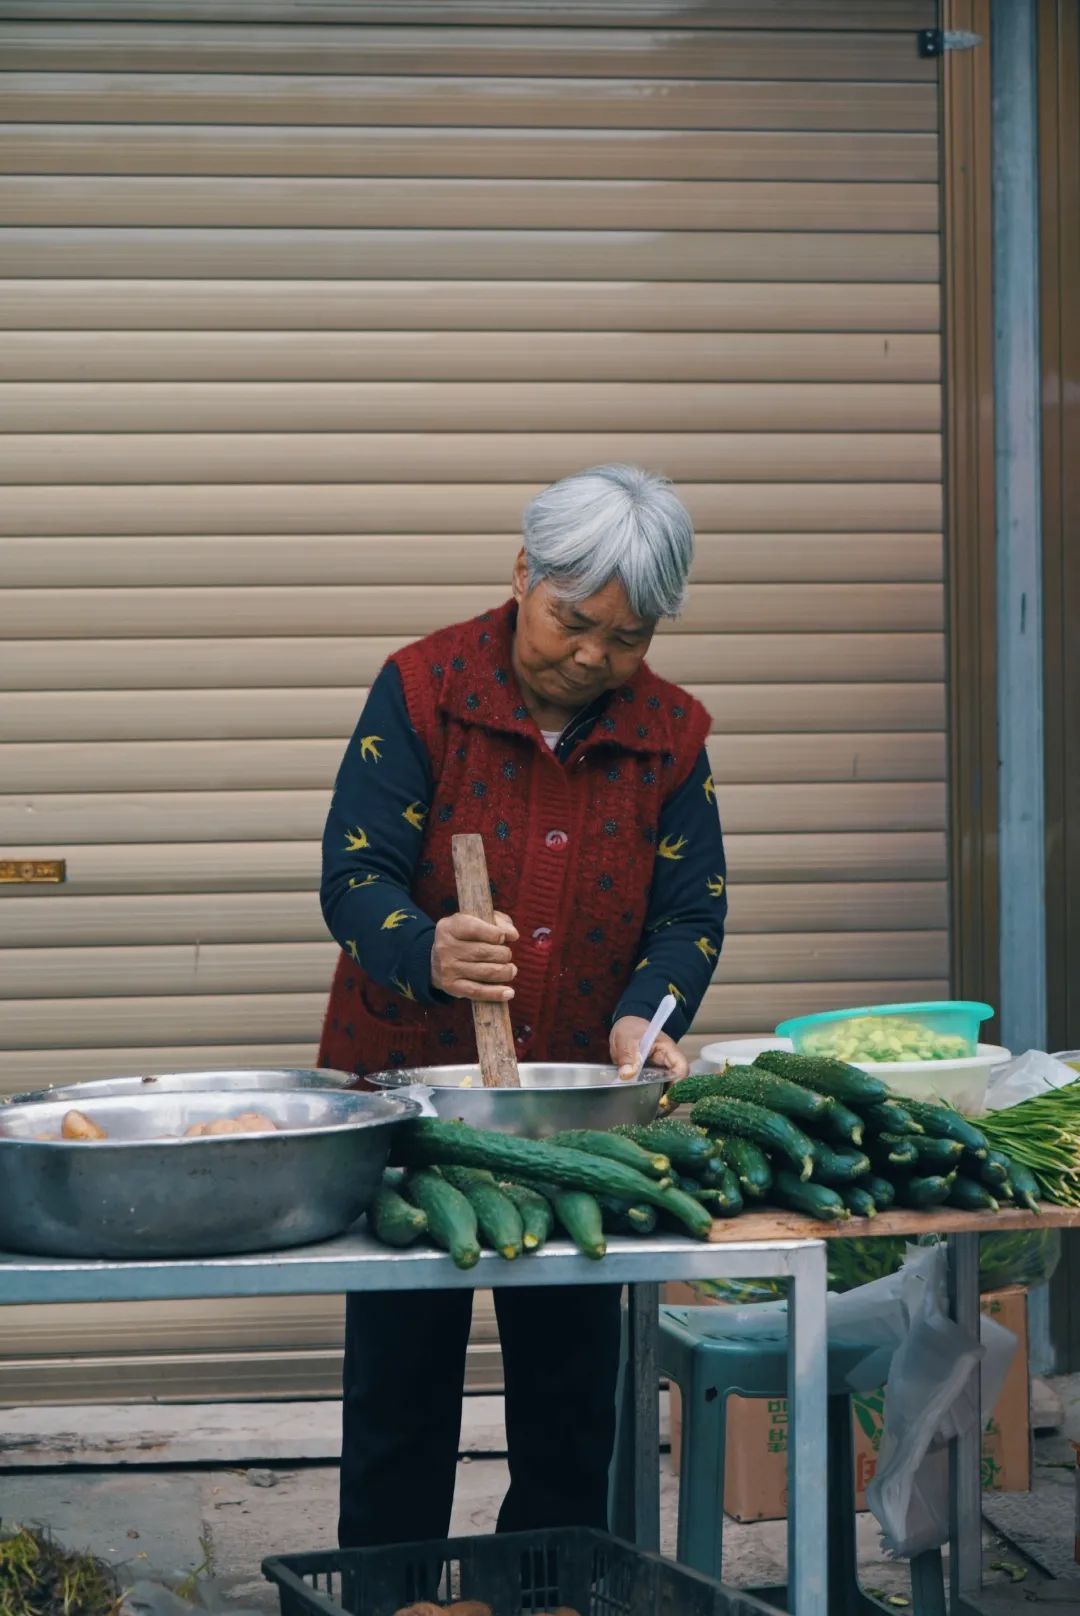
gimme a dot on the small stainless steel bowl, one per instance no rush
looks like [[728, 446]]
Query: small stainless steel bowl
[[146, 1191], [271, 1077], [553, 1095]]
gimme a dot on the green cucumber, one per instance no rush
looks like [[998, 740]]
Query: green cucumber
[[971, 1196], [394, 1220], [859, 1202], [938, 1155], [750, 1165], [498, 1218], [893, 1150], [615, 1147], [623, 1217], [430, 1141], [685, 1146], [890, 1116], [816, 1200], [1025, 1186], [922, 1193], [723, 1199], [838, 1166], [766, 1128], [848, 1084], [772, 1093], [883, 1191], [843, 1124], [580, 1215], [688, 1090], [712, 1171], [537, 1215], [943, 1122], [451, 1219], [995, 1169]]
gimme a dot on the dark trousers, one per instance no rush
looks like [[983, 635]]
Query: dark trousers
[[404, 1379]]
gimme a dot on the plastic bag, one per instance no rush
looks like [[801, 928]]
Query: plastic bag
[[1034, 1072], [927, 1364], [931, 1393]]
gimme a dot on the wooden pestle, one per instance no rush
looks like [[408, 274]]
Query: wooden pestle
[[494, 1036]]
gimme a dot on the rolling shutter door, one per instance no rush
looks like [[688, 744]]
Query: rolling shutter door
[[296, 316]]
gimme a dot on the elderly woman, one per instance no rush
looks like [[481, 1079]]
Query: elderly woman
[[541, 726]]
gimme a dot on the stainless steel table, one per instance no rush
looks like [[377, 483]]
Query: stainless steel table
[[356, 1263]]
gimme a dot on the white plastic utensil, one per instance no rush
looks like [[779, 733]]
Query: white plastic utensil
[[649, 1036]]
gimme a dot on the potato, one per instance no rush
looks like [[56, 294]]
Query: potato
[[468, 1607], [76, 1126], [243, 1122], [257, 1122], [424, 1608]]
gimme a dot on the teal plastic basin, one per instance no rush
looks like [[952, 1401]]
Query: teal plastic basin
[[945, 1029]]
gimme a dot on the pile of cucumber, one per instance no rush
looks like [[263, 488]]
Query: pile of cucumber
[[464, 1188], [818, 1136], [810, 1135]]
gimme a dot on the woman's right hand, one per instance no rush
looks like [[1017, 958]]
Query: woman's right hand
[[471, 960]]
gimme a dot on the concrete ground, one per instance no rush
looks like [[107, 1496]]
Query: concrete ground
[[183, 1511]]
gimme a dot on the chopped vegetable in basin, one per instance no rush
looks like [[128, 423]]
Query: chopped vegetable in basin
[[885, 1038]]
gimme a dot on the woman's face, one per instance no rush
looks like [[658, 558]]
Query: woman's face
[[570, 652]]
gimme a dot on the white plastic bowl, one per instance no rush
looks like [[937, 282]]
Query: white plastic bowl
[[739, 1051], [960, 1083]]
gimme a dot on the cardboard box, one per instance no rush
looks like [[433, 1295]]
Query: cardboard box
[[755, 1470]]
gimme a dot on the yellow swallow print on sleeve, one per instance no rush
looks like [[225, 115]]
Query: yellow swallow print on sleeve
[[676, 992], [641, 964], [369, 747], [716, 885], [404, 988], [396, 918], [707, 948], [709, 789], [350, 944], [671, 847], [358, 881], [356, 840], [415, 815]]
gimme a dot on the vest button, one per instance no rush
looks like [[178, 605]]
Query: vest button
[[542, 936], [523, 1036], [556, 839]]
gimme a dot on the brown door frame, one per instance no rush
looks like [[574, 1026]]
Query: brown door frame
[[970, 572], [1059, 227], [1059, 313]]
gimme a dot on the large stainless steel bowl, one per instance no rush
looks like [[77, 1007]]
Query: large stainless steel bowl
[[146, 1191], [271, 1077], [553, 1095]]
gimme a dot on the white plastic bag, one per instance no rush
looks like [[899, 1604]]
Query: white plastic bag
[[1034, 1072], [926, 1363], [931, 1395]]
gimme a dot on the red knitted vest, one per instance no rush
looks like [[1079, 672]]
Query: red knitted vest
[[570, 850]]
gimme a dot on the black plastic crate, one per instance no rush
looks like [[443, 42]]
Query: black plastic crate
[[517, 1574]]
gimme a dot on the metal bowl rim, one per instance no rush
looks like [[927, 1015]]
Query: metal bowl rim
[[152, 1079], [404, 1077], [410, 1109]]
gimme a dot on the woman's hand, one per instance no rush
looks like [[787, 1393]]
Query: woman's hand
[[626, 1036], [471, 960]]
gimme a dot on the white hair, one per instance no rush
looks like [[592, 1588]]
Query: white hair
[[611, 522]]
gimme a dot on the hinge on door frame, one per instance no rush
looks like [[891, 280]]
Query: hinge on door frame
[[936, 41]]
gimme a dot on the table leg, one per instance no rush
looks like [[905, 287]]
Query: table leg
[[643, 1407], [807, 1433], [965, 1454]]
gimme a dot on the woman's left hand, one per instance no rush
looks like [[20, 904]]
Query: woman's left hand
[[626, 1036]]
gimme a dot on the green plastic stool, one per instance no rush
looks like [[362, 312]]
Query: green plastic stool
[[710, 1359]]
